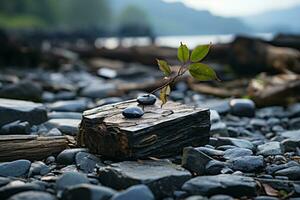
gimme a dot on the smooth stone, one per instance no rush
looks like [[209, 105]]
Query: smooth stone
[[33, 195], [294, 110], [291, 140], [65, 95], [66, 126], [226, 147], [177, 95], [270, 112], [146, 99], [233, 185], [242, 107], [265, 198], [271, 169], [50, 160], [221, 197], [214, 116], [295, 123], [13, 110], [87, 192], [4, 181], [67, 156], [23, 90], [16, 127], [135, 192], [98, 90], [15, 168], [87, 162], [215, 167], [237, 152], [258, 123], [218, 128], [194, 197], [107, 73], [14, 188], [247, 163], [162, 177], [108, 100], [292, 173], [210, 152], [133, 112], [194, 160], [270, 149], [65, 115], [70, 179], [235, 141], [68, 106], [221, 106], [38, 168]]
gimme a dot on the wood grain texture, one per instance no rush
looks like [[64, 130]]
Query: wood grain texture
[[161, 132], [32, 147]]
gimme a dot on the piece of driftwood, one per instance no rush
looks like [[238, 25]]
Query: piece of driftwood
[[161, 132], [32, 147]]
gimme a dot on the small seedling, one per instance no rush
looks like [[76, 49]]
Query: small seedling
[[188, 62]]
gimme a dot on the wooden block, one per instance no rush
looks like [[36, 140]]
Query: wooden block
[[161, 132]]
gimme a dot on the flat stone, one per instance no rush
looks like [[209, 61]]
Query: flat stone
[[69, 106], [16, 127], [135, 192], [215, 167], [70, 179], [271, 169], [210, 152], [292, 173], [242, 107], [13, 110], [33, 195], [66, 126], [15, 168], [234, 141], [87, 192], [237, 152], [38, 168], [247, 163], [132, 112], [221, 197], [233, 185], [87, 162], [162, 177], [4, 181], [96, 90], [269, 149], [67, 156], [194, 160], [218, 128], [65, 115]]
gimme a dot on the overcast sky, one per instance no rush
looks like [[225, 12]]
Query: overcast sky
[[239, 7]]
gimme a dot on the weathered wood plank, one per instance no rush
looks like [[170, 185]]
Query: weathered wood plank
[[161, 132], [32, 147]]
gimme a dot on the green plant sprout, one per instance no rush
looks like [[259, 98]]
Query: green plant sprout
[[188, 62]]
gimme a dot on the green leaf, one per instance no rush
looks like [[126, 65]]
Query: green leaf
[[164, 67], [183, 53], [202, 72], [199, 53], [164, 93]]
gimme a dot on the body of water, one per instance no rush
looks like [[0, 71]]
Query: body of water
[[174, 41]]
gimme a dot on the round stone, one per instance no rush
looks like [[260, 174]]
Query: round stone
[[242, 107], [146, 99], [133, 112]]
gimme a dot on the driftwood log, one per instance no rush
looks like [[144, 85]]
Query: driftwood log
[[32, 147], [161, 132]]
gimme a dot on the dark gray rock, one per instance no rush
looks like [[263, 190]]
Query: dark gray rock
[[291, 140], [67, 156], [15, 168], [4, 181], [69, 106], [162, 177], [235, 141], [24, 90], [50, 160], [65, 95], [70, 179], [232, 185], [13, 110], [135, 192], [146, 99], [210, 151], [221, 106], [66, 126], [271, 169], [219, 128], [87, 162], [194, 160], [294, 123], [292, 173], [215, 167], [14, 188], [87, 192], [38, 168], [247, 163], [237, 152], [294, 110], [265, 198], [16, 127], [133, 112], [108, 100], [33, 195], [98, 90], [269, 149], [221, 197], [242, 107], [271, 112], [194, 197]]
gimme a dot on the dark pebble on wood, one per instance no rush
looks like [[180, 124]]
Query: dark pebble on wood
[[133, 112], [146, 99]]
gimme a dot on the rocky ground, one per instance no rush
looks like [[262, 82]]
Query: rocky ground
[[252, 154]]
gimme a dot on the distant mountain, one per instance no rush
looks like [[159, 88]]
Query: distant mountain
[[178, 19], [286, 20]]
